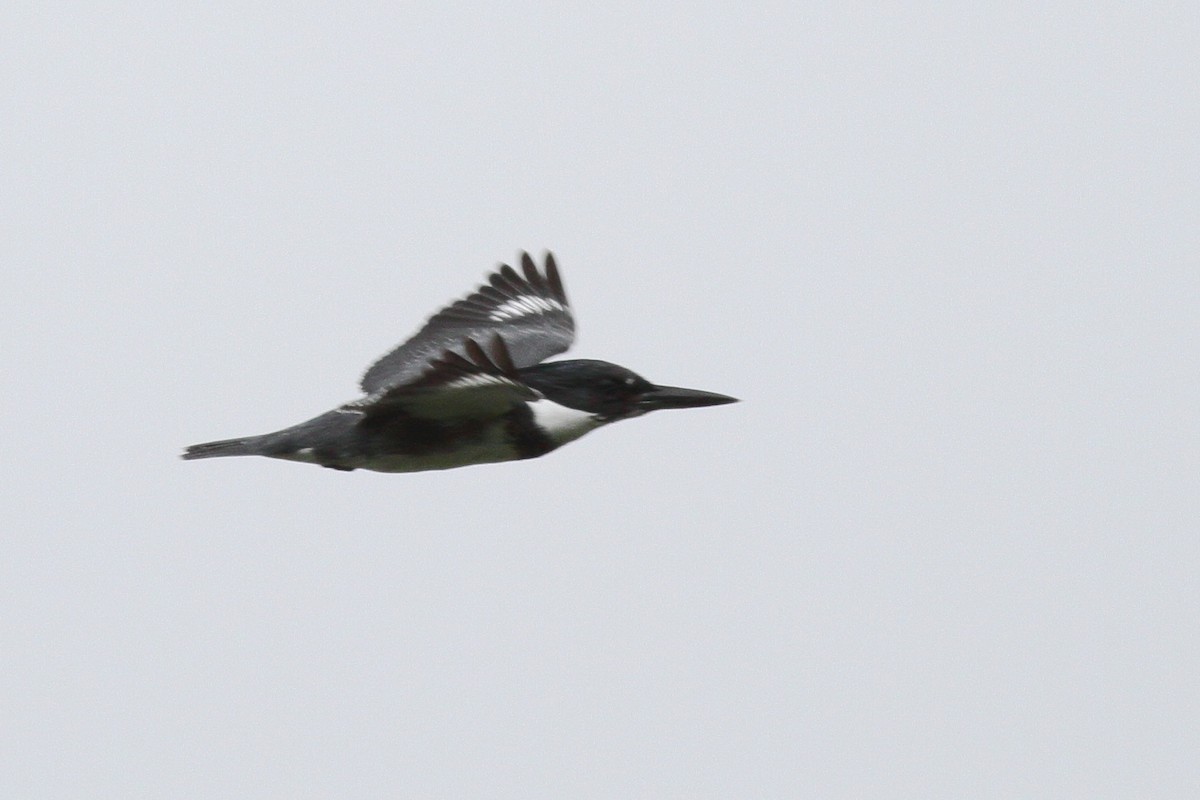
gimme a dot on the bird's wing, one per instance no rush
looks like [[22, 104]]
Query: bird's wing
[[475, 384], [530, 311]]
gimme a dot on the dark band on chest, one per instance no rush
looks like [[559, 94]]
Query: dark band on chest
[[529, 440]]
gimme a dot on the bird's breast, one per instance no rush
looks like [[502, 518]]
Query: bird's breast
[[561, 423], [526, 431]]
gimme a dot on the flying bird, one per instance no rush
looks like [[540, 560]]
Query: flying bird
[[473, 387]]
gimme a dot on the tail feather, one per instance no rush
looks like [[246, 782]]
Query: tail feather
[[246, 446]]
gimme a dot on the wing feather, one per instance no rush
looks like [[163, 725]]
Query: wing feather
[[529, 309], [469, 382]]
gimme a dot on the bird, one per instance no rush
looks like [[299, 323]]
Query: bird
[[473, 386]]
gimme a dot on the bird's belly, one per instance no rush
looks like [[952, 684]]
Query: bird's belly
[[401, 443], [482, 452], [414, 448], [531, 431]]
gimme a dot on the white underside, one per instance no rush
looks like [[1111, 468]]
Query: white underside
[[562, 423]]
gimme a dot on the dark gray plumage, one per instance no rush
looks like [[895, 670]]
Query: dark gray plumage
[[531, 310]]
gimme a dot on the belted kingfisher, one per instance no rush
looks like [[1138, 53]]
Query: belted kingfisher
[[470, 388]]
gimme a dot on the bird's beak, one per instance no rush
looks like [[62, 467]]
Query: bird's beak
[[675, 397]]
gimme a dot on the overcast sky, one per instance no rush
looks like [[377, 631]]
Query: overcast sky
[[946, 546]]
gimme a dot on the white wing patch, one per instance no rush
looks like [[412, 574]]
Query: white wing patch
[[473, 381], [526, 305]]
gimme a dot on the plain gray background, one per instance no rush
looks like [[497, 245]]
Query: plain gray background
[[945, 547]]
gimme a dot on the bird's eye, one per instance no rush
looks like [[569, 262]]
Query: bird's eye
[[629, 381]]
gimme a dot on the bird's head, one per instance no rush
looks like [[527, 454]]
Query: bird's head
[[609, 391]]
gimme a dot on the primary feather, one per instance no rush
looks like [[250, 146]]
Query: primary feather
[[530, 309]]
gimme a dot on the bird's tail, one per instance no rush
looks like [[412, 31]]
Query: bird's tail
[[246, 446]]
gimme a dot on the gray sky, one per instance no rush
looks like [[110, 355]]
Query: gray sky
[[946, 547]]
